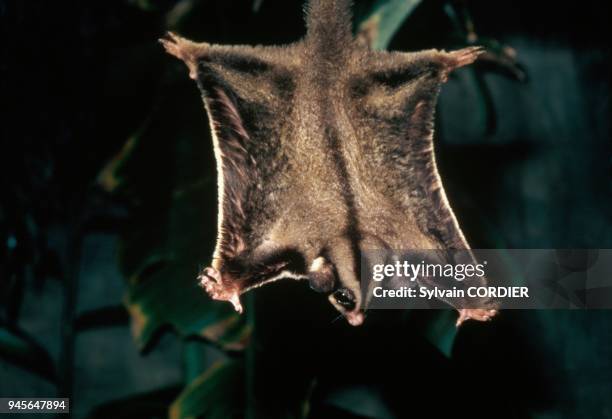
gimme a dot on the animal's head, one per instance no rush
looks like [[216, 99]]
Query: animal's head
[[324, 149]]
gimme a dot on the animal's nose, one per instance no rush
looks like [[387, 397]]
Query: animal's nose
[[355, 318]]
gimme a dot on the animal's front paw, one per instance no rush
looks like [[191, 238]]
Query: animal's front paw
[[212, 281], [479, 314]]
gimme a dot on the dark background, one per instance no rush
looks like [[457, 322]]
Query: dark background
[[100, 241]]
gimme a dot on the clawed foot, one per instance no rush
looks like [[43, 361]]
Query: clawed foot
[[212, 282], [465, 56], [182, 49], [479, 314]]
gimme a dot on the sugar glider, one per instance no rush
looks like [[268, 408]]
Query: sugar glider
[[323, 149]]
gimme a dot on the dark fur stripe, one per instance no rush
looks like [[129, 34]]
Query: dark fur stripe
[[352, 229]]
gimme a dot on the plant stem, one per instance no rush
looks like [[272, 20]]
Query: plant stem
[[73, 264]]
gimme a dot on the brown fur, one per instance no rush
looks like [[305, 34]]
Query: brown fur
[[323, 146]]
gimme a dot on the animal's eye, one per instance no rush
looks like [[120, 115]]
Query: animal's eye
[[345, 298]]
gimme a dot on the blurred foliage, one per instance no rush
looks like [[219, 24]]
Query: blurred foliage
[[153, 167], [383, 20], [217, 394], [22, 350]]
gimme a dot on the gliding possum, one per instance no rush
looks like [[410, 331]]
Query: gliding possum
[[324, 149]]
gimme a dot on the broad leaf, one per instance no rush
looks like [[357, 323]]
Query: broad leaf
[[170, 294], [216, 394], [439, 329]]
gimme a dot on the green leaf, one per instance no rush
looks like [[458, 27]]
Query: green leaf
[[384, 19], [109, 177], [437, 327], [441, 330], [22, 350], [216, 394], [170, 294]]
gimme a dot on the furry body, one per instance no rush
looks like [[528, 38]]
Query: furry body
[[324, 149]]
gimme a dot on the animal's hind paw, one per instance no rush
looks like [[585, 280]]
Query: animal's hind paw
[[479, 314], [212, 281]]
